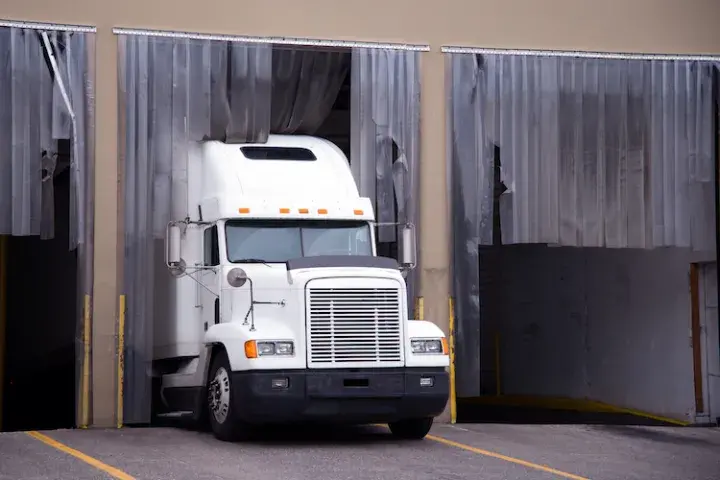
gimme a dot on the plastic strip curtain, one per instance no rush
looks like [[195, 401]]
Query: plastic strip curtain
[[305, 84], [34, 120], [179, 90], [471, 197], [385, 139], [603, 153], [592, 152], [173, 91], [33, 117]]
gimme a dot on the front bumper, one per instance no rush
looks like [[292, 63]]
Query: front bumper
[[339, 395]]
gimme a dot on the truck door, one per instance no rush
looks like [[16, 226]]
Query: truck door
[[209, 284]]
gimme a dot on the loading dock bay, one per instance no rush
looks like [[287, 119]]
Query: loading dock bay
[[467, 451]]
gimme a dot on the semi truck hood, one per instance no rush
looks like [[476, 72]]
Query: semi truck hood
[[339, 312], [281, 290], [304, 269], [295, 274]]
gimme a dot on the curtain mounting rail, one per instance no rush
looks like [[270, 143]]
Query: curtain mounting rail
[[47, 26], [580, 54], [275, 40]]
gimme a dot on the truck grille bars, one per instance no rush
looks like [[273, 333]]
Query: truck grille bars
[[354, 325]]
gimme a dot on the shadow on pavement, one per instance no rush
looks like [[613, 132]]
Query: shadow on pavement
[[670, 437], [299, 434]]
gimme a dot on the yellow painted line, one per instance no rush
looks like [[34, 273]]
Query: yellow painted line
[[638, 413], [574, 404], [110, 470], [516, 461]]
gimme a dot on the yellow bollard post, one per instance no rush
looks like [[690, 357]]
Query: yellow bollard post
[[453, 400], [120, 362], [420, 309], [85, 405]]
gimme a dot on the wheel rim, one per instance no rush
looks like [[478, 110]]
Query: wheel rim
[[219, 395]]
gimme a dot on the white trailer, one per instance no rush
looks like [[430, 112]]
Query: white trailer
[[278, 309]]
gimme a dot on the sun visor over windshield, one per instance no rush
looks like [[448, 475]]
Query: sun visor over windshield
[[330, 261]]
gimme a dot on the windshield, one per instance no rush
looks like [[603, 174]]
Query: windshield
[[278, 241]]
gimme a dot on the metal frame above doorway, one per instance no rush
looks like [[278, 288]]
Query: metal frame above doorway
[[311, 42], [579, 54], [47, 26]]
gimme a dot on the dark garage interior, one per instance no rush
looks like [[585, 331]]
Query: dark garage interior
[[41, 308], [46, 212]]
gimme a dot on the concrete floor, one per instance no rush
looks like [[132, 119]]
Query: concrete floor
[[473, 452]]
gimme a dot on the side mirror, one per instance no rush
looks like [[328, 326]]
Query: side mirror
[[173, 259], [409, 259], [237, 277]]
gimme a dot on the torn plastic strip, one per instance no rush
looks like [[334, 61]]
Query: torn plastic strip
[[73, 121]]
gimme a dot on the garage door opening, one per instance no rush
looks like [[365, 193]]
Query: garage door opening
[[584, 205], [45, 227], [40, 318], [177, 92], [585, 335]]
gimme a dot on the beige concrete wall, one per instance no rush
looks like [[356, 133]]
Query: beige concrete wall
[[616, 25], [649, 26]]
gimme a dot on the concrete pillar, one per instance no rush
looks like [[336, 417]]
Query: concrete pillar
[[105, 292], [434, 232]]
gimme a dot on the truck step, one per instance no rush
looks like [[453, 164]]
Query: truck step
[[179, 414]]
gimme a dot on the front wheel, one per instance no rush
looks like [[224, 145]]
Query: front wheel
[[412, 429], [224, 420]]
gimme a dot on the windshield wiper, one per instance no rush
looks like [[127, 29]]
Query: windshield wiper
[[252, 260]]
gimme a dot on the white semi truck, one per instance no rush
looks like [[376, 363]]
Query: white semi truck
[[277, 308]]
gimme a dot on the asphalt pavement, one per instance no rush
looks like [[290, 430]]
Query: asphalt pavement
[[451, 452]]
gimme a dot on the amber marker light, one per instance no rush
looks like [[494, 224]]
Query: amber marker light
[[445, 345], [251, 349]]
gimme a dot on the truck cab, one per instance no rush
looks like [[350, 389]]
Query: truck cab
[[277, 308]]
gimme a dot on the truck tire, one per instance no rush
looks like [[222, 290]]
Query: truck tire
[[223, 418], [411, 429]]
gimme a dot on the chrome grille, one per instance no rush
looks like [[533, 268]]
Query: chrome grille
[[349, 325]]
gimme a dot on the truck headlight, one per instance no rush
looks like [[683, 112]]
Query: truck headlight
[[437, 346], [264, 348], [284, 348]]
